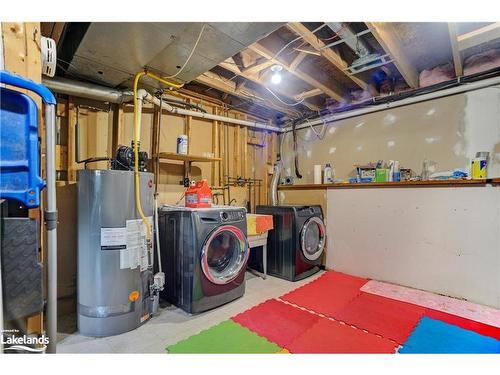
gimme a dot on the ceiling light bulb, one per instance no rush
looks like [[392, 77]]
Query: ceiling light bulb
[[276, 78]]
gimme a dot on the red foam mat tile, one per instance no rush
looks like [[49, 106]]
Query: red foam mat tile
[[328, 336], [327, 294], [471, 325], [277, 321], [389, 318]]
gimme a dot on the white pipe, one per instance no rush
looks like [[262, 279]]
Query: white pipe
[[51, 224], [139, 111], [186, 112], [399, 103], [96, 92]]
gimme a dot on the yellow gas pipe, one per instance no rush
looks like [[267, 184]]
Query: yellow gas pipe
[[137, 136]]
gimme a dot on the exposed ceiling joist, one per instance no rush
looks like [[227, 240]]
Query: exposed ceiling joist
[[257, 67], [230, 87], [336, 93], [388, 39], [327, 53], [457, 56], [297, 60], [479, 36], [259, 80], [308, 94]]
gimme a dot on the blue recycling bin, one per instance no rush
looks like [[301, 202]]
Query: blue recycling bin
[[19, 148], [20, 170]]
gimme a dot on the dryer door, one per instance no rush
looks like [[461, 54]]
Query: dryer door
[[224, 254], [312, 238]]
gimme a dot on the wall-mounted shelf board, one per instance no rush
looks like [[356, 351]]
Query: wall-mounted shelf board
[[409, 184], [187, 158]]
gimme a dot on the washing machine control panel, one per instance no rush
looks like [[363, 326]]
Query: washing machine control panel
[[231, 216], [309, 211]]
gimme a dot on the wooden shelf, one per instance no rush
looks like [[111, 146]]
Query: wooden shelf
[[416, 184], [187, 158]]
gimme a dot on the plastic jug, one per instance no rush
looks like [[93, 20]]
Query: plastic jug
[[199, 195]]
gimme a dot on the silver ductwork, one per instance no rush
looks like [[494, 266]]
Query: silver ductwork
[[105, 94], [87, 90], [350, 38], [278, 167]]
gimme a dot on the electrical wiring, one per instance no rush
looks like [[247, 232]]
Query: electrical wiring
[[322, 133], [285, 103], [190, 54], [336, 33], [285, 47]]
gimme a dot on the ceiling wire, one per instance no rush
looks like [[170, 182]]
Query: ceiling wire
[[190, 54], [285, 103], [336, 33], [285, 47]]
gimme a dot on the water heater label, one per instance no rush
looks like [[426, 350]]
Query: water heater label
[[136, 253], [113, 238]]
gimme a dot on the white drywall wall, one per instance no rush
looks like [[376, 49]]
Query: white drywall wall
[[444, 240], [448, 131]]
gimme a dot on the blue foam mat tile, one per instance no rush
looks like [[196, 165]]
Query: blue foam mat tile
[[434, 336]]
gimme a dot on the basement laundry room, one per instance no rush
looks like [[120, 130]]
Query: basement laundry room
[[320, 185]]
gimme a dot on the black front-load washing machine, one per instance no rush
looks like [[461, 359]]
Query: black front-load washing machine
[[295, 246], [204, 252]]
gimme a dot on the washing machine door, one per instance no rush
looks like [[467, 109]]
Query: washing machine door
[[312, 238], [224, 254]]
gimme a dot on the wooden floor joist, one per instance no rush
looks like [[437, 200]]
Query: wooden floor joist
[[213, 80], [479, 36], [388, 39], [327, 53], [256, 78], [457, 57], [335, 93]]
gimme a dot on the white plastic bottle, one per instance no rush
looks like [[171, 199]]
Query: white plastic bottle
[[328, 174]]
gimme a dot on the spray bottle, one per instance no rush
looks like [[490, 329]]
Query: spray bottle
[[328, 174]]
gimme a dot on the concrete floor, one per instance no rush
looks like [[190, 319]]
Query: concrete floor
[[172, 324]]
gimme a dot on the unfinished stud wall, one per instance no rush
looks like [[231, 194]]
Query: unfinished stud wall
[[244, 152], [448, 131], [21, 55]]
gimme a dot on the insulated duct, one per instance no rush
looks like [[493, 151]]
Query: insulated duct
[[96, 92], [350, 38], [440, 93], [278, 167]]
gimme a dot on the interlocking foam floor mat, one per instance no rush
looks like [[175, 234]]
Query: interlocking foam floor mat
[[471, 325], [328, 336], [391, 319], [333, 314], [279, 322], [327, 294], [226, 337], [434, 336]]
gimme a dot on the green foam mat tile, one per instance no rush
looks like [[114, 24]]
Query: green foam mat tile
[[227, 337]]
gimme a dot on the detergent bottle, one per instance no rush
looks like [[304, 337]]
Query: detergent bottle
[[199, 195]]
